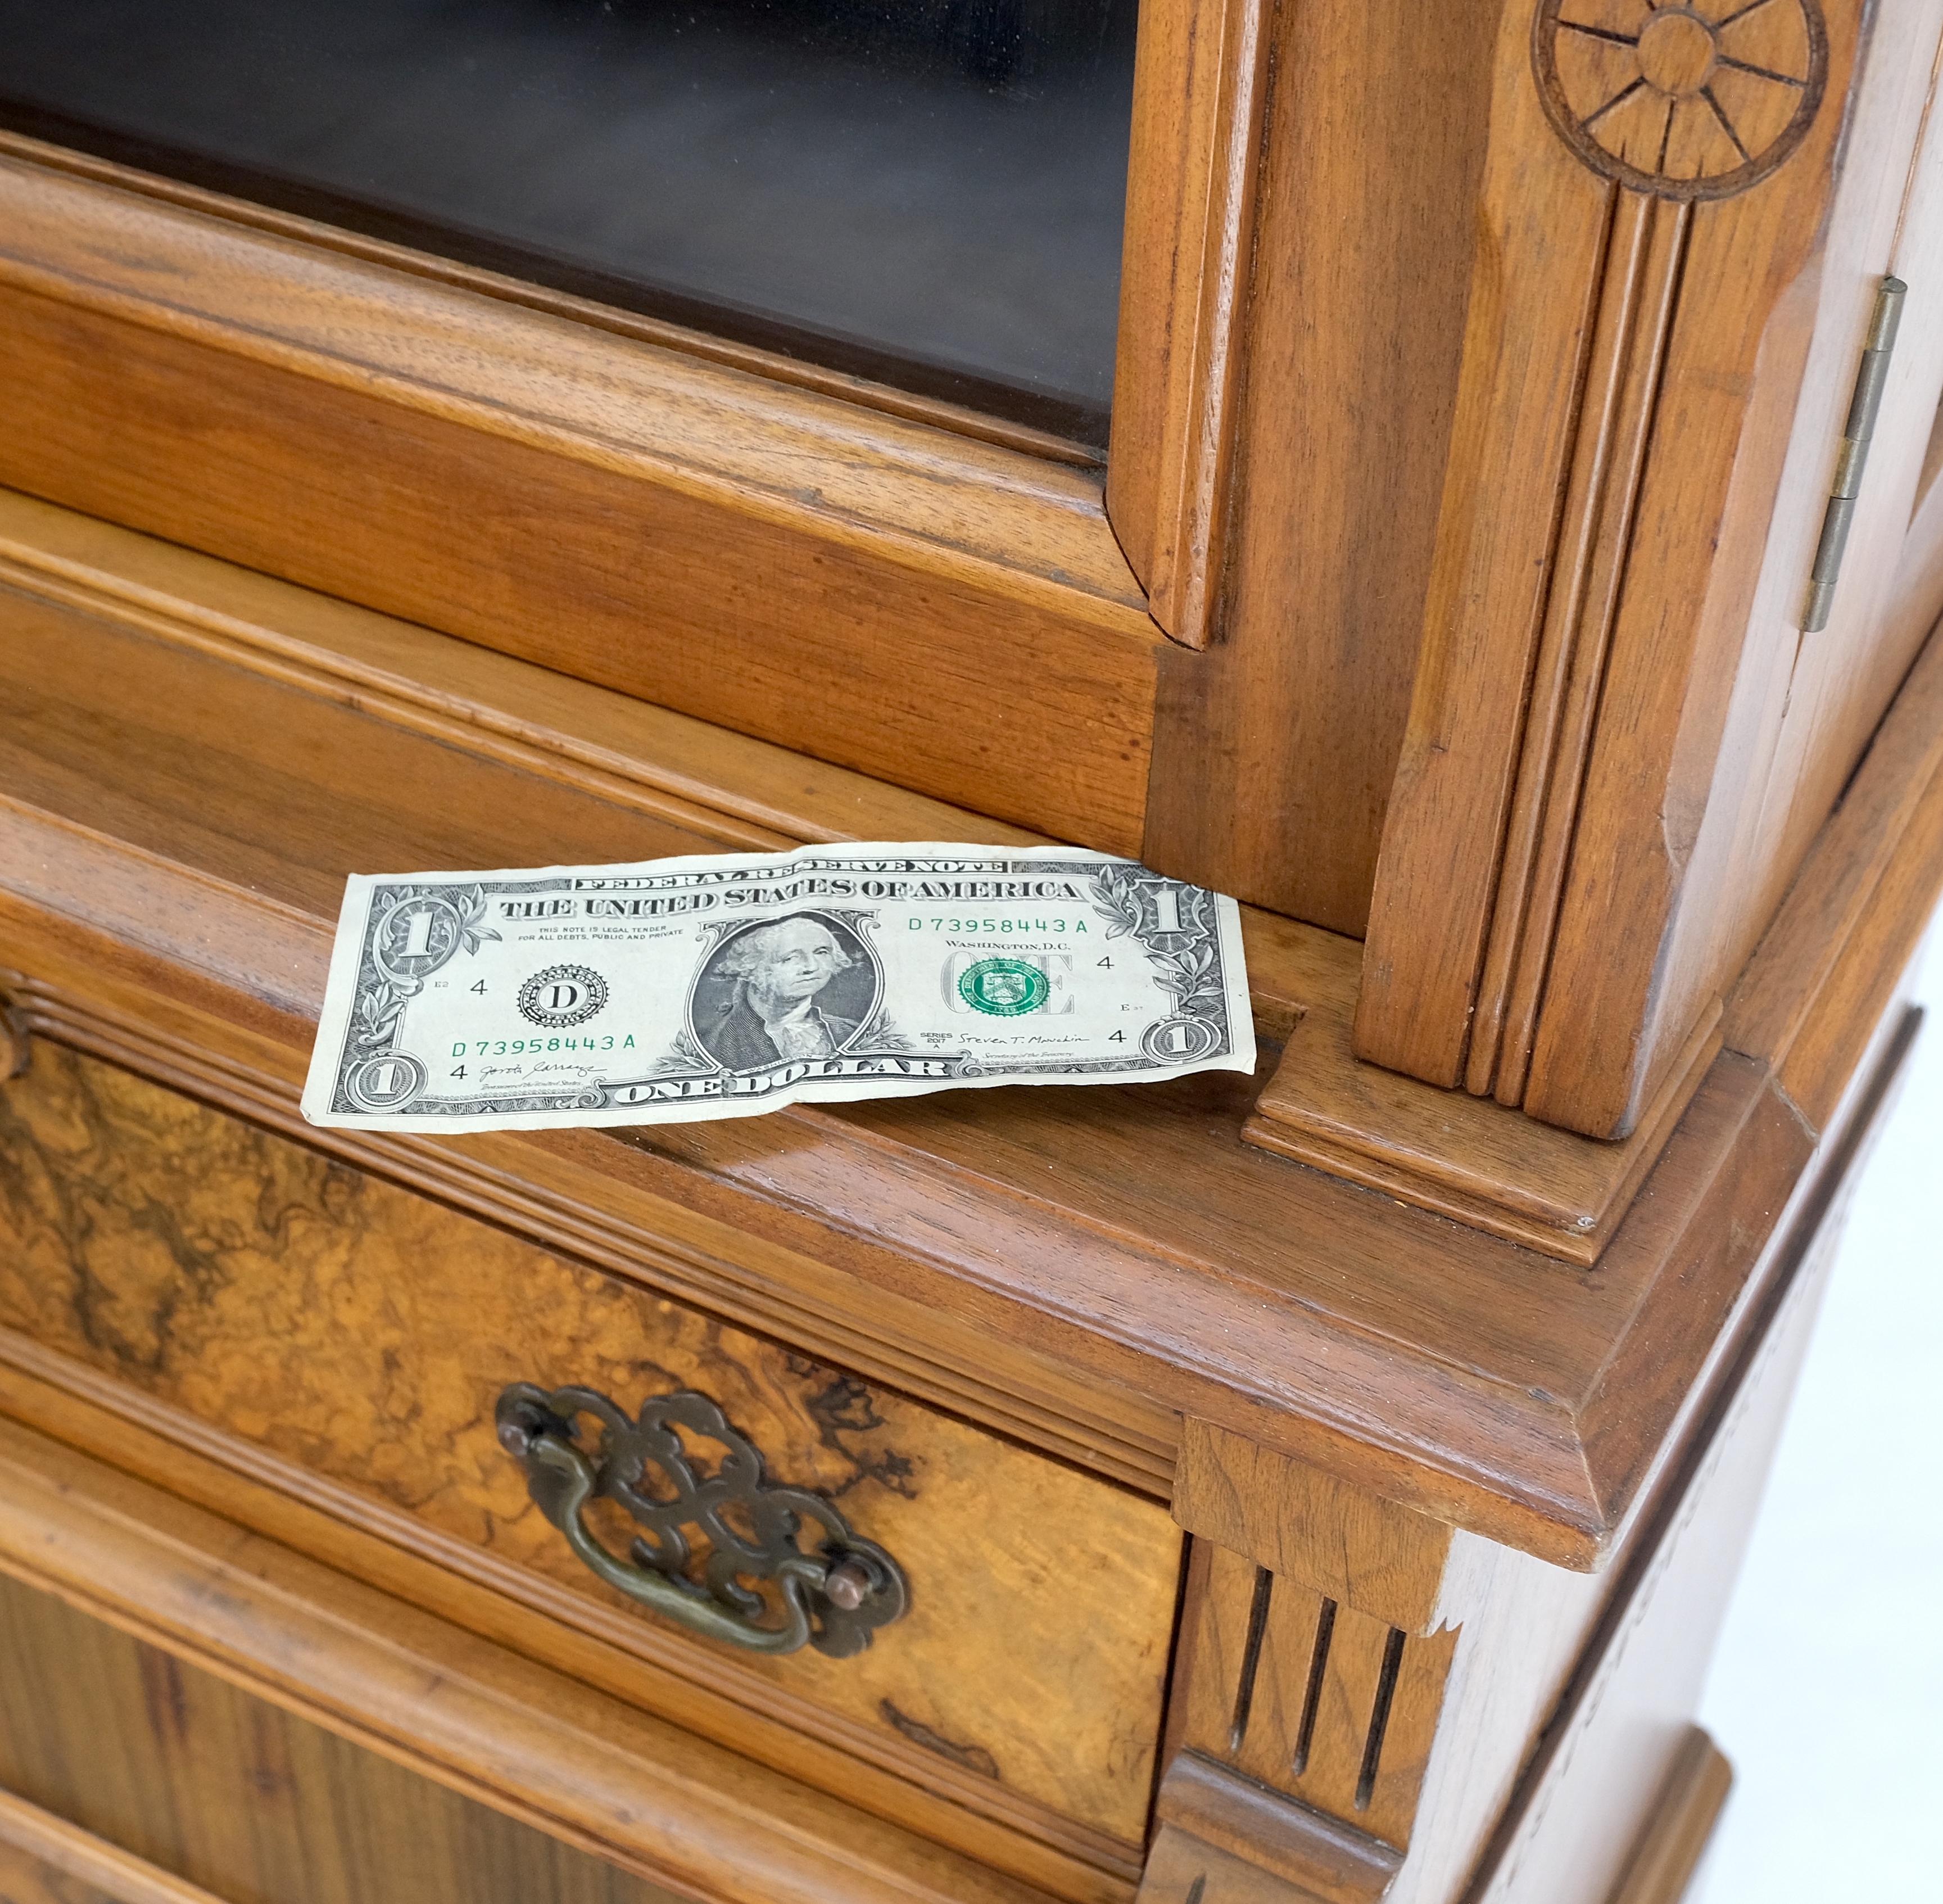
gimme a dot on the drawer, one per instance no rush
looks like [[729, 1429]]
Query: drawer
[[351, 1340]]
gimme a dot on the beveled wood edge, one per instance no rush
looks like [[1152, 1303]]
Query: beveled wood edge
[[450, 1579], [1319, 1855], [81, 1855], [1857, 909], [73, 902], [464, 1182], [1198, 87], [1477, 1161], [749, 793], [918, 496], [1847, 927], [1359, 1549], [102, 907], [1540, 1187], [1665, 1497], [772, 365], [471, 1715], [1668, 1850]]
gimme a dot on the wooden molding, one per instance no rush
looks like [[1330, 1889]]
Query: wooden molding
[[1681, 1821], [1196, 152], [647, 1666], [36, 1838], [1478, 1163], [1317, 1856], [1619, 746], [1082, 1271], [1275, 749], [470, 1715], [1361, 1552], [604, 506], [1288, 1690], [1813, 995], [731, 354]]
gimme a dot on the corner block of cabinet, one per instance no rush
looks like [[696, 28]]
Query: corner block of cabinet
[[1225, 1839], [1359, 1550], [1490, 1166]]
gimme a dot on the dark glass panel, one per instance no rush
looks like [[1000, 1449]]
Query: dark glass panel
[[926, 191]]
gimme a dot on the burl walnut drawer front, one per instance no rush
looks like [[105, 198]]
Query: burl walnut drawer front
[[362, 1335]]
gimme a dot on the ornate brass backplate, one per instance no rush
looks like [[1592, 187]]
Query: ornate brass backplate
[[833, 1598]]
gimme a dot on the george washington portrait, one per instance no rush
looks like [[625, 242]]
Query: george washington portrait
[[802, 986]]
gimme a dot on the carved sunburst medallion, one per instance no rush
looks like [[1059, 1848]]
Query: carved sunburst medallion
[[1689, 99]]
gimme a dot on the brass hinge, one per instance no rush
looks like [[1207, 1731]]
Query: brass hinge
[[1870, 380]]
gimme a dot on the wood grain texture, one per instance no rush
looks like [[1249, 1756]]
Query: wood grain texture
[[364, 1335], [1291, 1689], [1626, 353], [1080, 1273], [548, 1750], [45, 1859], [1185, 1869], [730, 352], [1366, 1552], [1544, 228], [748, 792], [208, 1779], [1745, 731], [1315, 1855], [499, 473], [1681, 1821], [1478, 1163], [300, 1510], [1623, 1721], [1593, 821], [1198, 81], [1816, 990], [1274, 751], [822, 1210]]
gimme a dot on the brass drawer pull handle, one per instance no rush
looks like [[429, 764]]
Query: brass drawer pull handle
[[833, 1598]]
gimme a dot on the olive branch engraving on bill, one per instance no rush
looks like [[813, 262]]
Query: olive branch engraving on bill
[[724, 986]]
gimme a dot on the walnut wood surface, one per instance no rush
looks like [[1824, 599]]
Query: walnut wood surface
[[1274, 752], [1314, 1856], [1812, 997], [545, 1749], [1682, 1820], [118, 1425], [1298, 1692], [1603, 794], [1185, 275], [256, 1804], [364, 1335], [1482, 1164], [45, 1859], [572, 496], [1365, 1552], [768, 364], [1082, 1271]]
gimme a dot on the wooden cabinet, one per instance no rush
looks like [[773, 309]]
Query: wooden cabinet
[[1305, 1488]]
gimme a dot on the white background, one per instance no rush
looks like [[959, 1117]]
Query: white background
[[1827, 1691]]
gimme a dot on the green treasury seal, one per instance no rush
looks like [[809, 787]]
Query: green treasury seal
[[1006, 988]]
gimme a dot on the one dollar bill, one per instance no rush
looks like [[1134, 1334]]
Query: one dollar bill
[[681, 989]]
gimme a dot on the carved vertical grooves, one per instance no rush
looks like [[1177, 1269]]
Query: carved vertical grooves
[[1312, 1698], [1252, 1658], [1639, 293], [1379, 1718]]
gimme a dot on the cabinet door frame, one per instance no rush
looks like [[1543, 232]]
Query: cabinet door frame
[[947, 602]]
